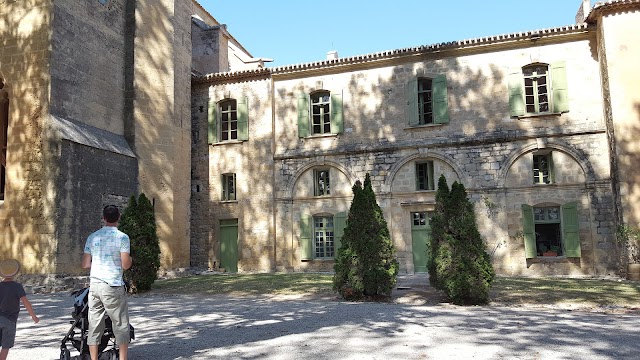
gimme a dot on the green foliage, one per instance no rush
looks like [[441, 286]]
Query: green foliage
[[365, 264], [459, 264], [138, 221], [629, 239]]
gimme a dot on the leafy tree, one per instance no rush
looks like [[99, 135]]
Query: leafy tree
[[439, 227], [365, 265], [138, 221], [460, 262]]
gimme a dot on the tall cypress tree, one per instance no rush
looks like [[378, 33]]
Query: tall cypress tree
[[366, 263], [138, 221]]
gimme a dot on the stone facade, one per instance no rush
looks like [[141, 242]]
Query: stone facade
[[482, 145]]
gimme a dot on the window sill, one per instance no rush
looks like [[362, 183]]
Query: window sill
[[538, 115], [229, 201], [426, 126], [319, 259], [551, 260], [230, 142], [320, 136]]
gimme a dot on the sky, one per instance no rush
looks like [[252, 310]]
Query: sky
[[293, 32]]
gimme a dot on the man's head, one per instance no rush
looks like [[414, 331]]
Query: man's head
[[111, 214]]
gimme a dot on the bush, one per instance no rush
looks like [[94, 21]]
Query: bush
[[460, 264], [365, 264], [138, 221]]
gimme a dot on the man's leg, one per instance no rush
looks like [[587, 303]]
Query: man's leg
[[116, 306], [3, 354], [96, 319]]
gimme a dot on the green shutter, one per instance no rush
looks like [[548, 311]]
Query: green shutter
[[339, 223], [303, 115], [337, 113], [559, 87], [529, 231], [412, 102], [516, 98], [212, 124], [306, 237], [570, 236], [243, 118], [440, 100]]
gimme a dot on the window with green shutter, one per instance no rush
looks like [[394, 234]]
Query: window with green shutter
[[551, 231], [320, 112], [538, 89], [427, 101], [306, 235], [228, 120]]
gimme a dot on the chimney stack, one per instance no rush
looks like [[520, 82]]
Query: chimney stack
[[332, 55]]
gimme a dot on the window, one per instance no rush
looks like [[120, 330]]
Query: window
[[320, 113], [424, 176], [323, 237], [538, 89], [321, 182], [228, 187], [551, 230], [542, 168], [228, 120], [427, 101]]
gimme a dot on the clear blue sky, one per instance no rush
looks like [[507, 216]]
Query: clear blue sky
[[291, 32]]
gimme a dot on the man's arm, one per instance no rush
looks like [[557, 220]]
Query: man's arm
[[27, 305], [86, 261], [126, 260]]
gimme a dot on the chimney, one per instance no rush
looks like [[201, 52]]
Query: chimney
[[583, 11], [332, 55]]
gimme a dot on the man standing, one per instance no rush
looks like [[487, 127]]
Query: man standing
[[107, 254]]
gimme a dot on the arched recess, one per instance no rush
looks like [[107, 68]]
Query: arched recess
[[291, 185], [425, 155], [534, 145]]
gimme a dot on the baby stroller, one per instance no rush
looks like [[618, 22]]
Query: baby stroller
[[80, 323]]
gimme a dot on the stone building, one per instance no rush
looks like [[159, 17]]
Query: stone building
[[538, 126], [95, 107]]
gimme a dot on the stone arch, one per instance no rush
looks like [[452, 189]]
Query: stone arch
[[423, 154], [536, 144], [291, 185]]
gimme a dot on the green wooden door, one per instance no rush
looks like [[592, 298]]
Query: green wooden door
[[420, 237], [229, 245]]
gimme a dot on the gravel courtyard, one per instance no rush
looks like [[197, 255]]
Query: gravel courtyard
[[223, 327]]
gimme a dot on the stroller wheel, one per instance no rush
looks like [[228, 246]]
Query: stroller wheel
[[65, 354]]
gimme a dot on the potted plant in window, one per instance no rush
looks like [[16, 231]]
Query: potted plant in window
[[629, 239]]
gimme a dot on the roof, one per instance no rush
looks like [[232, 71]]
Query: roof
[[603, 6], [391, 54]]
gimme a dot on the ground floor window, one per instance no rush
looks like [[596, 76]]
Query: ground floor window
[[323, 237], [551, 230]]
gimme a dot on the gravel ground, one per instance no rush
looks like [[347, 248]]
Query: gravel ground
[[223, 327]]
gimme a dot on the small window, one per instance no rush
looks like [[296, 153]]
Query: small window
[[228, 120], [323, 237], [321, 182], [320, 113], [425, 101], [424, 176], [536, 89], [542, 169], [228, 187]]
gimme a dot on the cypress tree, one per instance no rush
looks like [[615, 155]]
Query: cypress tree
[[138, 221], [365, 265]]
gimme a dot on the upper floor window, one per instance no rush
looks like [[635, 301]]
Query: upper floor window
[[321, 182], [427, 101], [424, 176], [320, 113], [538, 89], [543, 168], [228, 187], [228, 120]]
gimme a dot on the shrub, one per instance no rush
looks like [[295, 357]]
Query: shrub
[[460, 262], [138, 221], [365, 264]]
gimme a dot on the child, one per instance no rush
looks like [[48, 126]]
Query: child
[[10, 294]]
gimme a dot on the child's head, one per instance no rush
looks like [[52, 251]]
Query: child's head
[[9, 268]]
